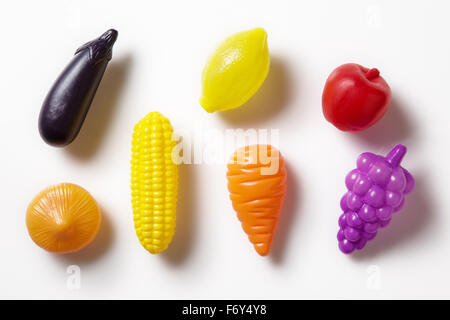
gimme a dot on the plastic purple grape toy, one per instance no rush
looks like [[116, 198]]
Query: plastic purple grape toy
[[376, 190]]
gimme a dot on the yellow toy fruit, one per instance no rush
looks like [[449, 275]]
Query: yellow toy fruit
[[235, 70], [154, 182]]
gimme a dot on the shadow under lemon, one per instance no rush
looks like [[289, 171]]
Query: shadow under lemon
[[271, 98]]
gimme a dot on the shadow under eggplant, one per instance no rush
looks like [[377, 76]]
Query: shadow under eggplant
[[102, 111]]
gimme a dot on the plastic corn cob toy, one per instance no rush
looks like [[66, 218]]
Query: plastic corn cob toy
[[154, 182], [257, 184], [235, 70], [376, 190]]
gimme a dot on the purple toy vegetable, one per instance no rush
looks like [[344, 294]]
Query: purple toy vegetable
[[66, 105], [376, 190]]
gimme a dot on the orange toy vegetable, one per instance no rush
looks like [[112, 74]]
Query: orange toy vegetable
[[257, 184], [63, 218]]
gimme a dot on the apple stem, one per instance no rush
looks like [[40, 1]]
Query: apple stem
[[372, 73], [396, 155]]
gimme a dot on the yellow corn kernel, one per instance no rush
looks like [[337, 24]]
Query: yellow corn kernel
[[154, 182]]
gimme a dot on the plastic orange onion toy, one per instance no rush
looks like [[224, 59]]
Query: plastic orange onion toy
[[63, 218], [257, 184]]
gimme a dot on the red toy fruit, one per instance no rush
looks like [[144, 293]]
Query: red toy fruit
[[355, 97]]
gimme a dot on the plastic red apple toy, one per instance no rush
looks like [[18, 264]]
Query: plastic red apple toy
[[355, 97]]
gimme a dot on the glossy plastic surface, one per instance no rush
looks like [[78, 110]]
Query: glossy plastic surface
[[355, 97], [154, 182], [376, 190], [63, 218], [235, 70], [257, 192], [66, 105]]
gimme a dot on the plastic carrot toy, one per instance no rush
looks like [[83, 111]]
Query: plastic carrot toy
[[257, 184], [154, 179]]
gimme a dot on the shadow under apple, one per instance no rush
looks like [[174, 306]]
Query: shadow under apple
[[396, 126]]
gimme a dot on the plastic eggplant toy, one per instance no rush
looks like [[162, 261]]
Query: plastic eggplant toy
[[257, 184], [376, 190], [66, 105]]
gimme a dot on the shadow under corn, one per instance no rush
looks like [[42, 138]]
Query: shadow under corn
[[184, 237]]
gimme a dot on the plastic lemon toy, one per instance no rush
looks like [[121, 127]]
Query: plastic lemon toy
[[154, 182], [235, 70], [63, 218]]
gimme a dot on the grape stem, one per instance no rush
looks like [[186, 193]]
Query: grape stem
[[396, 155]]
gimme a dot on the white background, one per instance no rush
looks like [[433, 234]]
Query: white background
[[157, 64]]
